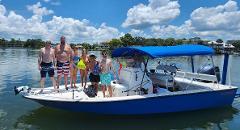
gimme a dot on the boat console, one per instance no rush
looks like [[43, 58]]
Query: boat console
[[132, 81]]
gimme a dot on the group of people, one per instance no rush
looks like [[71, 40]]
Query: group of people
[[66, 60]]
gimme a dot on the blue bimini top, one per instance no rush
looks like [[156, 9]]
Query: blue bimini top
[[163, 51]]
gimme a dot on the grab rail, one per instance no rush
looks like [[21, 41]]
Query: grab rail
[[206, 77]]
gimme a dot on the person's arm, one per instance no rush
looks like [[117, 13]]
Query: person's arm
[[55, 52], [70, 54], [71, 60], [112, 68], [40, 59], [54, 58]]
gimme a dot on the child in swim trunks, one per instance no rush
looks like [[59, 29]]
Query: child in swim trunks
[[94, 69], [105, 76]]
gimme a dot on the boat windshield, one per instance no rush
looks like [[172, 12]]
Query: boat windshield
[[133, 62]]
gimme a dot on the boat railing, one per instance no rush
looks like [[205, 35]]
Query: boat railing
[[198, 76]]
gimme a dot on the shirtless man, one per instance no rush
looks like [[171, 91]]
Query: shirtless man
[[105, 76], [63, 53], [46, 61]]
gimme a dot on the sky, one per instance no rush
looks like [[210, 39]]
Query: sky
[[101, 20]]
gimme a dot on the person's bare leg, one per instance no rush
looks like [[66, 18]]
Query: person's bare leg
[[103, 90], [96, 87], [53, 82], [58, 80], [71, 76], [66, 80], [75, 78], [85, 78], [110, 90], [82, 74], [42, 83]]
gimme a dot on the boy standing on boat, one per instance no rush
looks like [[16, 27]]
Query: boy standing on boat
[[94, 70], [105, 76], [46, 61], [63, 54]]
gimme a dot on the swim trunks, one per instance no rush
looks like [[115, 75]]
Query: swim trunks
[[105, 78], [62, 68], [46, 68], [94, 78]]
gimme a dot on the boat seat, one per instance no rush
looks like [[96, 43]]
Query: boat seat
[[198, 76]]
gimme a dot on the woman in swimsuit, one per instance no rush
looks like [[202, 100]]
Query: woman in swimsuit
[[82, 65], [74, 69]]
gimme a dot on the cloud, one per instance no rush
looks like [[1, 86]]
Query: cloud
[[46, 1], [157, 12], [139, 33], [56, 3], [37, 9], [13, 25], [221, 21], [2, 10], [167, 31], [222, 17], [53, 2]]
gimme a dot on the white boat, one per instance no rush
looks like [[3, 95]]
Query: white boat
[[141, 92]]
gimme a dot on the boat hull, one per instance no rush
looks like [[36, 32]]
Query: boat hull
[[150, 105]]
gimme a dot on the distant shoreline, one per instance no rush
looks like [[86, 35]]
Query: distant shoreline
[[108, 49]]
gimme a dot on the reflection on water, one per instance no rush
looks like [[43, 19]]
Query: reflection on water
[[47, 118], [19, 67]]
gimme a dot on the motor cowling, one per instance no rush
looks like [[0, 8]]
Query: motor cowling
[[211, 70]]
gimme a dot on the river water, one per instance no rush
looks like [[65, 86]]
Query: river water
[[19, 67]]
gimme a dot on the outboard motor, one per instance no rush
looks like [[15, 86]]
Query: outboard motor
[[211, 70]]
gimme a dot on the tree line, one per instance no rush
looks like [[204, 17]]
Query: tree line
[[126, 40], [29, 43]]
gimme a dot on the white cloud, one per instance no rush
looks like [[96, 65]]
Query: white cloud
[[56, 3], [53, 2], [221, 21], [157, 12], [39, 10], [139, 33], [46, 1], [182, 31], [2, 10], [222, 17], [13, 25]]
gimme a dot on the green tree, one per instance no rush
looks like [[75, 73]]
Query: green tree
[[127, 40], [86, 45], [114, 43], [179, 41], [139, 40], [236, 44], [169, 42]]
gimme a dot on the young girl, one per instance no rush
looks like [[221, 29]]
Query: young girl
[[82, 65], [74, 69]]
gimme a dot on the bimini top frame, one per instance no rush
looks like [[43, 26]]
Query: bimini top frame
[[163, 51]]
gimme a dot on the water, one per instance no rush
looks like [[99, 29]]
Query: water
[[19, 67]]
